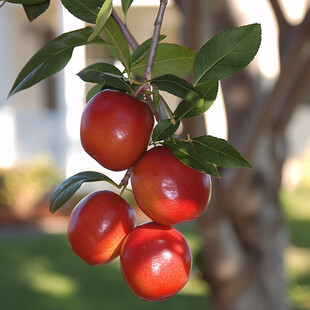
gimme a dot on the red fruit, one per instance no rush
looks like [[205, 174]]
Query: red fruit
[[156, 261], [98, 225], [116, 129], [168, 191]]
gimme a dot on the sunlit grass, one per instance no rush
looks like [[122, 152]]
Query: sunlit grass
[[296, 206], [42, 272]]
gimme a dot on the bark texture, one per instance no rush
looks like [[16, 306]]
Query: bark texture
[[243, 229]]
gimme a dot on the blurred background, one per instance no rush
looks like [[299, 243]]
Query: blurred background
[[251, 247]]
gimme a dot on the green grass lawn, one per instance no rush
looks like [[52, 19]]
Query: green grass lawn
[[296, 206], [42, 273]]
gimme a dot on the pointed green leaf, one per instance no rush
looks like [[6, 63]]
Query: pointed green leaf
[[142, 51], [187, 109], [164, 129], [102, 18], [169, 59], [126, 5], [35, 10], [177, 87], [67, 188], [188, 155], [86, 10], [93, 91], [226, 53], [93, 73], [208, 89], [220, 152], [118, 82], [119, 46], [51, 58]]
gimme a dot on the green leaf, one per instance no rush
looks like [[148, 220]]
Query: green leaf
[[220, 152], [164, 129], [26, 2], [126, 5], [208, 89], [67, 188], [93, 91], [118, 82], [51, 58], [142, 51], [86, 10], [35, 10], [119, 46], [194, 104], [102, 18], [169, 59], [188, 155], [186, 109], [93, 73], [226, 53], [177, 87]]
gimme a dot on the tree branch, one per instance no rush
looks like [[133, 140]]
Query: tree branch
[[279, 14], [2, 3], [154, 42], [148, 69], [129, 37]]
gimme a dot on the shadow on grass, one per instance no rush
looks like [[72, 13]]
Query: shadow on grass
[[299, 232], [42, 272]]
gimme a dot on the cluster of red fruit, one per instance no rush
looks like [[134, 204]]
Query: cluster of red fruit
[[155, 258]]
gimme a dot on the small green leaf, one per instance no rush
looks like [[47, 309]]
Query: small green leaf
[[164, 129], [194, 104], [169, 59], [35, 10], [67, 188], [118, 82], [142, 51], [177, 87], [102, 18], [208, 89], [188, 155], [186, 109], [126, 5], [93, 91], [86, 10], [93, 73], [119, 46], [226, 53], [220, 152], [51, 58]]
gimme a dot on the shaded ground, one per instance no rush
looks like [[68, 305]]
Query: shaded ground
[[40, 271]]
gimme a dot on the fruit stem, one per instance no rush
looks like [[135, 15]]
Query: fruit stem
[[139, 90], [125, 180]]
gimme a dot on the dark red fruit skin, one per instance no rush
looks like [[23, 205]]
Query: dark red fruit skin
[[168, 191], [98, 225], [116, 129], [156, 261]]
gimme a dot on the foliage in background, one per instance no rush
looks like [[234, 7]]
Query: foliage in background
[[21, 188]]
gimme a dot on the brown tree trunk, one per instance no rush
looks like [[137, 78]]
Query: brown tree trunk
[[243, 231]]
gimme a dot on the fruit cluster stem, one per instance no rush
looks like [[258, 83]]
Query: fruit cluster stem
[[162, 114]]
